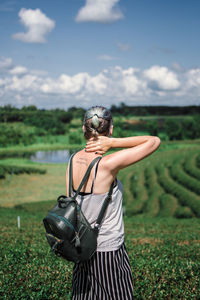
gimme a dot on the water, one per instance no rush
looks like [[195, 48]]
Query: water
[[56, 156]]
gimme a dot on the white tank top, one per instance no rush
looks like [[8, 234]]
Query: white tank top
[[111, 232]]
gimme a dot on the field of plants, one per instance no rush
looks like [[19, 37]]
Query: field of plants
[[161, 201], [166, 185], [161, 208]]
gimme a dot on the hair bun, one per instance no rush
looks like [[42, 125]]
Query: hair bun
[[95, 121]]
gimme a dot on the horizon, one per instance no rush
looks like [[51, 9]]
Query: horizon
[[110, 107]]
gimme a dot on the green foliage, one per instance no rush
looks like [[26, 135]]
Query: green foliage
[[164, 250], [152, 206], [167, 184], [32, 115], [174, 130], [17, 154], [76, 137], [15, 134], [183, 212], [185, 197], [46, 123], [190, 166], [11, 169], [76, 112], [152, 127], [164, 257], [29, 270], [125, 110], [183, 178], [139, 193], [168, 205], [183, 129]]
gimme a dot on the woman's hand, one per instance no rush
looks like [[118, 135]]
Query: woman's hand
[[100, 145]]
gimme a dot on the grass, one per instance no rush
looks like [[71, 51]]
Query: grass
[[15, 189], [164, 255], [164, 251]]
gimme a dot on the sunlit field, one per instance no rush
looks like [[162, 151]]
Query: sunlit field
[[161, 212]]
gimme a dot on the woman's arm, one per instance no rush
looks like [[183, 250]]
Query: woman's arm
[[136, 148]]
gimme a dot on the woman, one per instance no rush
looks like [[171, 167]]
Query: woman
[[107, 275]]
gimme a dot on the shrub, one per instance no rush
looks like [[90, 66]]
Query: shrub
[[76, 137], [6, 169], [14, 134]]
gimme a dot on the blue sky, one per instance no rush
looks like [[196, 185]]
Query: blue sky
[[89, 52]]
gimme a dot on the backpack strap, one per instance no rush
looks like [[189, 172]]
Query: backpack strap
[[87, 173], [85, 177], [70, 174], [104, 207]]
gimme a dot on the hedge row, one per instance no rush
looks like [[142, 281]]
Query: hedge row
[[6, 169], [184, 196]]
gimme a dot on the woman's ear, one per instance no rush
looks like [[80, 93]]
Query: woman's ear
[[83, 127], [111, 130]]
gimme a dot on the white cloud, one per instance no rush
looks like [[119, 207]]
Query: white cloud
[[193, 76], [26, 83], [161, 78], [154, 86], [97, 84], [65, 84], [130, 81], [74, 85], [38, 25], [102, 11], [19, 70]]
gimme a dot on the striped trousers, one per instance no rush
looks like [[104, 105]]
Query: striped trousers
[[106, 276]]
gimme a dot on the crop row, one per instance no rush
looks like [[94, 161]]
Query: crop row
[[190, 165], [184, 196], [7, 169], [198, 160], [139, 193], [178, 174], [168, 205], [152, 205], [164, 188]]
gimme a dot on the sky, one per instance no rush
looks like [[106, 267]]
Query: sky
[[64, 53]]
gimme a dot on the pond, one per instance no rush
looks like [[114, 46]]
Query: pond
[[56, 156]]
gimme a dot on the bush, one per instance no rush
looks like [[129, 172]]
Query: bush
[[15, 134], [6, 169], [183, 212], [173, 129], [76, 137], [46, 122], [152, 127]]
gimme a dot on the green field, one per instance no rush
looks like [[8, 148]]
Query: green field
[[162, 224], [165, 184]]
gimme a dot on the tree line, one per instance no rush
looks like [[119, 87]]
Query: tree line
[[9, 113], [126, 110], [24, 125]]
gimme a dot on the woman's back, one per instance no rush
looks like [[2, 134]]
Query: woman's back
[[103, 178]]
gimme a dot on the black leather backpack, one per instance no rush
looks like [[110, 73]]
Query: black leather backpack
[[67, 230]]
